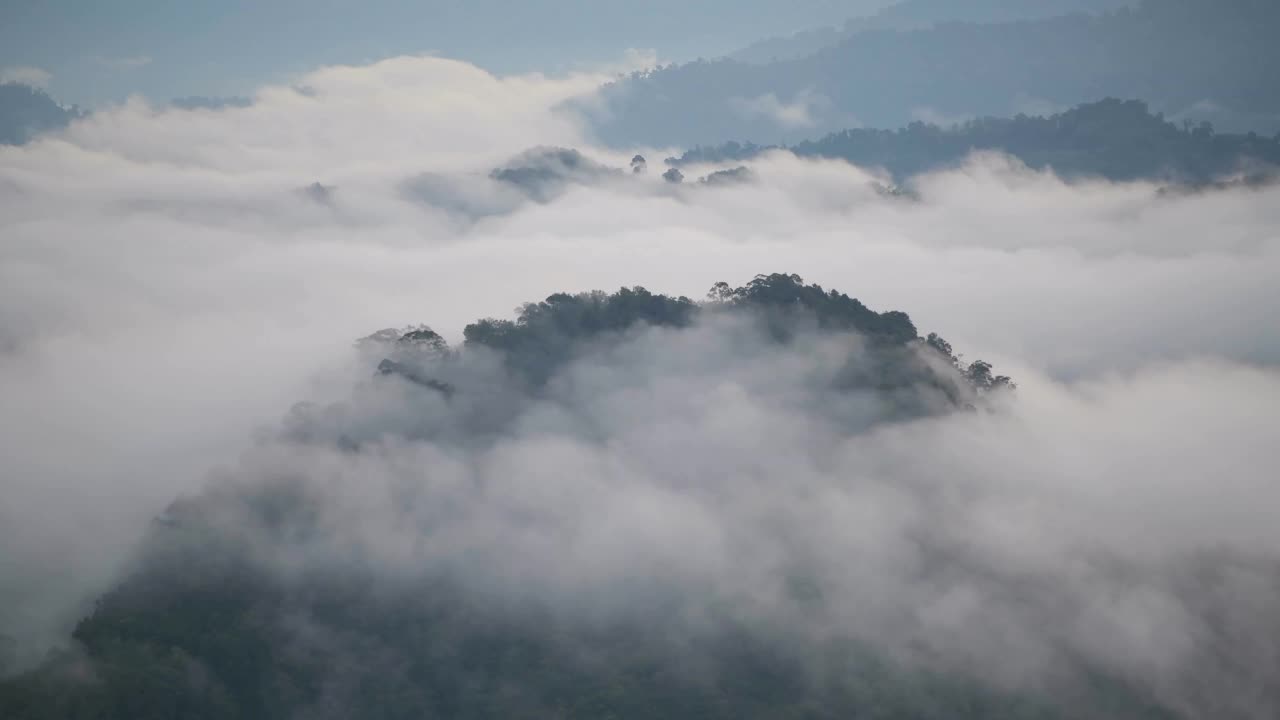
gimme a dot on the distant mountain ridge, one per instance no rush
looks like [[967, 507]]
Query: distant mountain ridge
[[1114, 139], [1186, 58]]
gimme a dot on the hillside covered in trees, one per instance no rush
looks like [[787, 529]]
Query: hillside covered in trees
[[1113, 139], [262, 598]]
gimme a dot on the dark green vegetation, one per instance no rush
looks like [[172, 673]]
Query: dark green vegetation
[[194, 640], [547, 335], [231, 644], [1179, 55], [1114, 139], [26, 111]]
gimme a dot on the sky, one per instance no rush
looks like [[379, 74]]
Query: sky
[[95, 52]]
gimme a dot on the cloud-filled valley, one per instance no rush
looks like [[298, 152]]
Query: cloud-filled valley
[[173, 282]]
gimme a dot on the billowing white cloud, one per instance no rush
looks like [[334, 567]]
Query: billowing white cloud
[[26, 75], [169, 285]]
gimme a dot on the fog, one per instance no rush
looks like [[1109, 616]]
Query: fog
[[172, 282]]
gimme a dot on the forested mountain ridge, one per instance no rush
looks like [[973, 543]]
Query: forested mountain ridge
[[248, 601], [1181, 56], [1113, 139]]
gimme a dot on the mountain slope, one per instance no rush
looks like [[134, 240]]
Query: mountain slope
[[263, 598]]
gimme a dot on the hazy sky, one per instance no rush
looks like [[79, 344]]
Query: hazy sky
[[97, 51]]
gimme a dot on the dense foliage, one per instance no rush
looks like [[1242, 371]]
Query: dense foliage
[[190, 641], [546, 335]]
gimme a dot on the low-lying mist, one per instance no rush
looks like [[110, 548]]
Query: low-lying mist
[[173, 282]]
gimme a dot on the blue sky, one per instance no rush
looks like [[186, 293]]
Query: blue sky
[[102, 50]]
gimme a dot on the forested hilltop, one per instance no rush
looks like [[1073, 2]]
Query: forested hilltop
[[396, 555], [1113, 139], [1187, 58]]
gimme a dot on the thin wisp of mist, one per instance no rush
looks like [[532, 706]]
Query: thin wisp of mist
[[182, 292]]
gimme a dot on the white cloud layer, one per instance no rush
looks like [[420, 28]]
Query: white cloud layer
[[25, 75], [797, 114], [167, 286]]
